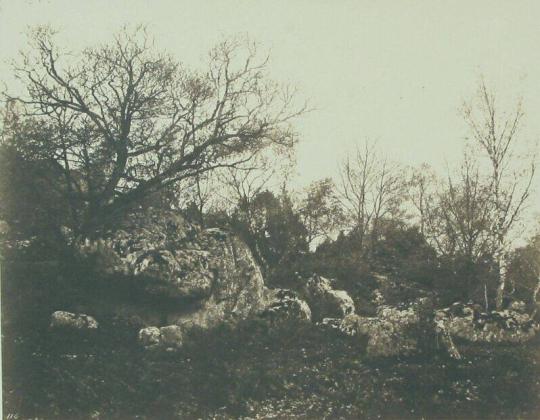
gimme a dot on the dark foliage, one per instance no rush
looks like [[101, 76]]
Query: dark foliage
[[275, 234], [29, 200], [524, 272]]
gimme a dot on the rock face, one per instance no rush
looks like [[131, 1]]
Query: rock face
[[68, 320], [469, 323], [326, 302], [285, 305], [205, 276]]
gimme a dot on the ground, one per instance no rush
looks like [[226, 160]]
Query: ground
[[258, 371]]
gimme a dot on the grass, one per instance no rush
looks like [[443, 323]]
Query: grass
[[257, 371], [253, 370]]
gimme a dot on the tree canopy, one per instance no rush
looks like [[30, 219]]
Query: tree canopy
[[120, 121]]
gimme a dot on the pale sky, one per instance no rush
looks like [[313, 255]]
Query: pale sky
[[392, 71]]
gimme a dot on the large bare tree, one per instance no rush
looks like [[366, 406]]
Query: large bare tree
[[121, 121], [421, 191], [458, 215], [509, 177], [371, 188]]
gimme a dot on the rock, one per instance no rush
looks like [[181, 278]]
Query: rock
[[197, 277], [518, 306], [378, 297], [325, 302], [171, 336], [330, 324], [175, 274], [509, 325], [443, 333], [159, 249], [398, 330], [68, 320], [285, 305], [389, 333], [150, 336]]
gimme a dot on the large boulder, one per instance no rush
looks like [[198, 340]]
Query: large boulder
[[202, 276], [72, 321], [325, 301], [160, 250]]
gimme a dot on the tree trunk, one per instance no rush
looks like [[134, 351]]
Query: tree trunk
[[503, 269]]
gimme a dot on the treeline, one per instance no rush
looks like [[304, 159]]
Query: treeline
[[122, 126], [421, 231]]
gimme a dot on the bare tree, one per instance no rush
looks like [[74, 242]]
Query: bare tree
[[495, 134], [239, 185], [460, 222], [420, 194], [197, 195], [123, 122], [371, 189], [243, 184]]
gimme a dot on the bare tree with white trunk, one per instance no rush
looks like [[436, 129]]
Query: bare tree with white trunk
[[509, 177]]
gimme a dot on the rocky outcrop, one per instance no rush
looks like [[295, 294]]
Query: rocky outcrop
[[206, 276], [283, 306], [468, 322], [400, 330], [326, 302], [286, 305], [388, 334], [68, 320]]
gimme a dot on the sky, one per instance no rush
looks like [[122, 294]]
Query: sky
[[395, 72]]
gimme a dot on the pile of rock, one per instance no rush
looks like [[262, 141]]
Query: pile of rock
[[209, 276], [469, 322], [392, 332]]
